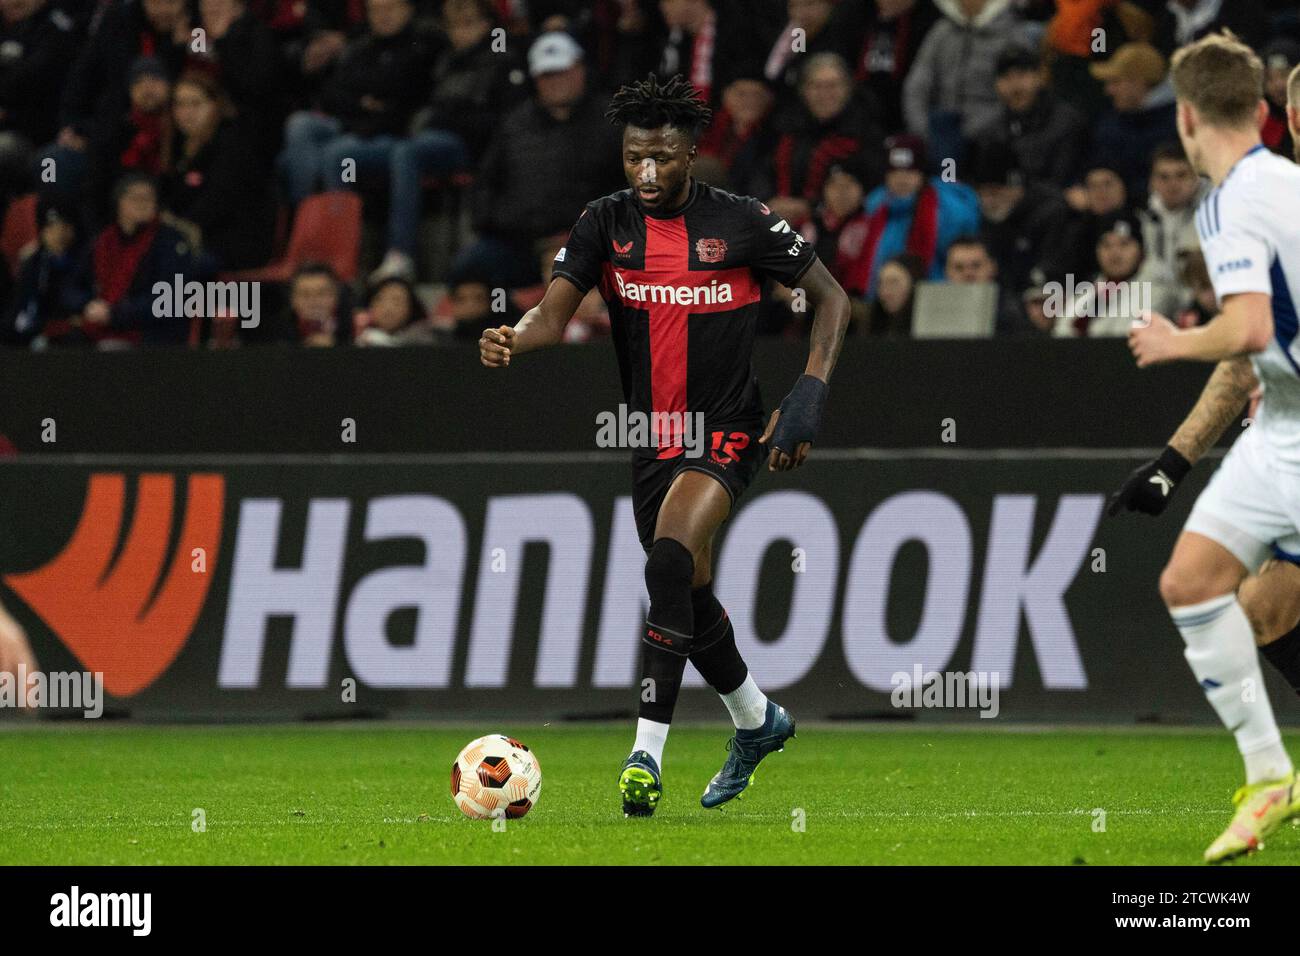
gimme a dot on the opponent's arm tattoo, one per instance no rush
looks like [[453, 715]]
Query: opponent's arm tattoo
[[1220, 403]]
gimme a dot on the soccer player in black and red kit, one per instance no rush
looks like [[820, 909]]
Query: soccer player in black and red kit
[[682, 266]]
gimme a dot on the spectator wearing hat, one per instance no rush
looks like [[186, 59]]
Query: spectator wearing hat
[[34, 312], [889, 313], [368, 102], [1141, 115], [740, 136], [1123, 285], [1169, 219], [948, 95], [1280, 58], [1046, 133], [1101, 192], [912, 213], [1022, 218], [969, 261], [887, 35], [132, 141], [110, 291], [214, 177], [832, 121], [839, 226], [550, 156]]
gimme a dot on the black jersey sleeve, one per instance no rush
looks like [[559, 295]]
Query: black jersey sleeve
[[581, 258], [779, 251]]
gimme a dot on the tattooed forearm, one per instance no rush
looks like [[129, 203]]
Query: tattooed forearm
[[1220, 403]]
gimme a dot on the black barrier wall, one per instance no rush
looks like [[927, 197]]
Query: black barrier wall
[[200, 530], [885, 394], [461, 589]]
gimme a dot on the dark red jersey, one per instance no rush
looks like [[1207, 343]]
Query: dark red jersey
[[684, 292]]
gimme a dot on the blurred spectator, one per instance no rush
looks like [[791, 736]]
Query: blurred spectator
[[1195, 277], [393, 316], [1101, 193], [34, 313], [96, 94], [1048, 136], [1082, 31], [535, 179], [317, 315], [312, 36], [1122, 288], [911, 213], [790, 51], [948, 95], [591, 320], [1182, 21], [1141, 116], [889, 314], [839, 226], [695, 46], [1169, 220], [891, 32], [740, 136], [1280, 58], [110, 292], [969, 262], [1022, 218], [832, 121], [470, 299], [132, 141], [37, 44], [213, 178], [243, 57], [471, 91], [369, 101]]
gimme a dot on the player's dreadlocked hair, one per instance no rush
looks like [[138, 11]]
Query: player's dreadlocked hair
[[649, 104]]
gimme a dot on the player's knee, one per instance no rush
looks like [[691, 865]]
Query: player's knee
[[1183, 585], [669, 568]]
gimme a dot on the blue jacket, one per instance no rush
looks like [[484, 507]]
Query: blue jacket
[[958, 215]]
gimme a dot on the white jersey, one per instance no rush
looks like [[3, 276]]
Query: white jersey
[[1249, 229]]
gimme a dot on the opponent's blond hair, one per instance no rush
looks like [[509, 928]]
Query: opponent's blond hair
[[1221, 77]]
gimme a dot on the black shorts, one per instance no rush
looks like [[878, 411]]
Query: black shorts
[[732, 455]]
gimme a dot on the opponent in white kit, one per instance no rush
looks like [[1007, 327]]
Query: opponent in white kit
[[1249, 227]]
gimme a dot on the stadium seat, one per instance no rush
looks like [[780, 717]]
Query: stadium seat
[[326, 229], [19, 229]]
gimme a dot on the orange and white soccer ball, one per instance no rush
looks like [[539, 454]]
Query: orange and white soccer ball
[[496, 776]]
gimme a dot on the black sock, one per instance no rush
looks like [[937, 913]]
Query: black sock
[[713, 651], [1284, 654], [667, 638]]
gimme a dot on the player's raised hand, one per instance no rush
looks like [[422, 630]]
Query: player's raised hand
[[1151, 339], [778, 460], [495, 345]]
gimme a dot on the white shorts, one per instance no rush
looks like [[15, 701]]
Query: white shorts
[[1249, 506]]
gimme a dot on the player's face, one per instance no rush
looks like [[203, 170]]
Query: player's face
[[657, 163]]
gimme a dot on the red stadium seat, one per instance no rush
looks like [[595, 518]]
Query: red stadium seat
[[19, 229], [327, 229]]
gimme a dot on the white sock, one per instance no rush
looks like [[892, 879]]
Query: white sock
[[1221, 651], [651, 737], [747, 705]]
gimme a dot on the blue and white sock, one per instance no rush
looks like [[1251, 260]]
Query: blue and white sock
[[1221, 651]]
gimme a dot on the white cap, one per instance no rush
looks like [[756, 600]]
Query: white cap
[[553, 52]]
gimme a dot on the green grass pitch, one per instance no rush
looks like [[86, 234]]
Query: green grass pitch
[[379, 794]]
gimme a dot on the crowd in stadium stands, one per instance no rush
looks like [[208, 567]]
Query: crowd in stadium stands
[[1026, 147]]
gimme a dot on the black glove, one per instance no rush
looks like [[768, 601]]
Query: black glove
[[1149, 487], [801, 414]]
